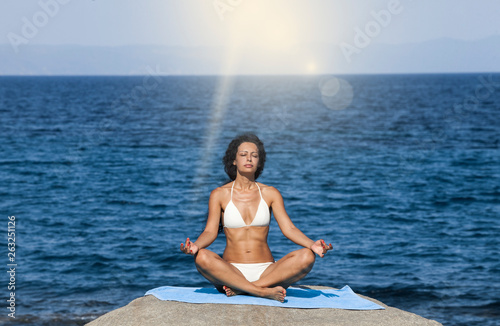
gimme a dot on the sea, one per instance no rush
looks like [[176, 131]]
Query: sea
[[102, 178]]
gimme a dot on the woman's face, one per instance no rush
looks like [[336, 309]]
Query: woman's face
[[247, 158]]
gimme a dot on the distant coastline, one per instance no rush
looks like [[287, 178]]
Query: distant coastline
[[436, 56]]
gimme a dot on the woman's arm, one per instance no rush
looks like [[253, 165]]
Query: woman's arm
[[209, 234], [289, 230]]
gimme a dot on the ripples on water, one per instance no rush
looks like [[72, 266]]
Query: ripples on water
[[402, 181]]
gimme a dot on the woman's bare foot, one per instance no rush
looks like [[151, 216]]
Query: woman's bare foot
[[230, 292], [276, 293]]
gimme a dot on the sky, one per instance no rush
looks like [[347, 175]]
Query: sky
[[198, 22], [264, 26]]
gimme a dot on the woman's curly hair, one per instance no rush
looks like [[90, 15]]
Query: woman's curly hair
[[232, 149]]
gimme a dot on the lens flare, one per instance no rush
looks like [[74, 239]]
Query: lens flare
[[336, 93]]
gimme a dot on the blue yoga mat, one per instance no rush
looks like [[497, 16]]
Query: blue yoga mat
[[344, 298]]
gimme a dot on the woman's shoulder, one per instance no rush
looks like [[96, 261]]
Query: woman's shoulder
[[220, 194], [222, 190], [270, 194], [270, 190]]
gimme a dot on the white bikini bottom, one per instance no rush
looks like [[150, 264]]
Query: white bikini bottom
[[252, 272]]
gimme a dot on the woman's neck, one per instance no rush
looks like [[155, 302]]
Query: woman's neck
[[244, 182]]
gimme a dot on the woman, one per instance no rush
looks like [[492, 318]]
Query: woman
[[243, 207]]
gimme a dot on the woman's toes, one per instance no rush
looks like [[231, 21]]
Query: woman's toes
[[229, 291]]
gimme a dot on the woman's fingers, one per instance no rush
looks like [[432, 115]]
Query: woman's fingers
[[189, 245], [188, 248], [185, 248], [324, 247]]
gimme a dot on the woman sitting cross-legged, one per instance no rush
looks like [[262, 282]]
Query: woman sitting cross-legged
[[244, 207]]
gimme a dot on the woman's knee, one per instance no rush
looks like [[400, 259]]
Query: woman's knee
[[307, 257], [202, 257]]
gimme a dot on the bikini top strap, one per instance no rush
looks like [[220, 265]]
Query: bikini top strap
[[259, 190], [232, 187]]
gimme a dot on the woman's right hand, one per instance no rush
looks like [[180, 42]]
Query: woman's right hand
[[190, 248]]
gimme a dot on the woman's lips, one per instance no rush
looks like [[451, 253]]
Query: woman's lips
[[248, 165]]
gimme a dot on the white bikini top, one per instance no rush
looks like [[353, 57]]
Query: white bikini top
[[233, 218]]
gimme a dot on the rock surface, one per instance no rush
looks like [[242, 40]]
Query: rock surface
[[149, 310]]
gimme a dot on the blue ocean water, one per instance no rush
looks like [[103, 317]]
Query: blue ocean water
[[106, 176]]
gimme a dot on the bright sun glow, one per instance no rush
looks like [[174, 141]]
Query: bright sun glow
[[311, 67], [260, 36], [263, 25]]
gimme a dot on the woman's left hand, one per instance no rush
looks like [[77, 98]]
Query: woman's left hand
[[321, 248], [190, 248]]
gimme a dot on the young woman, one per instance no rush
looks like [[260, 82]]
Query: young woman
[[244, 207]]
